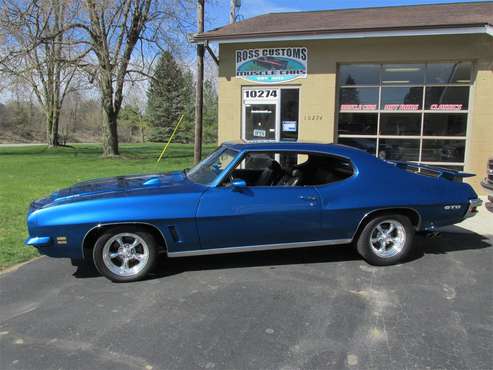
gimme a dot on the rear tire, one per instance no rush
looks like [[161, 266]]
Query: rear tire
[[125, 253], [386, 240]]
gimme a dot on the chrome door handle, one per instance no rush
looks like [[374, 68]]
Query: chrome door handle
[[308, 197]]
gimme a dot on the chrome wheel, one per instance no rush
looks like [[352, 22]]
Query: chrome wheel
[[125, 254], [388, 238]]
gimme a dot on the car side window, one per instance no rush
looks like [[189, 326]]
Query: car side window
[[276, 169]]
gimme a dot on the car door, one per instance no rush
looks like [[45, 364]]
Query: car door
[[258, 215]]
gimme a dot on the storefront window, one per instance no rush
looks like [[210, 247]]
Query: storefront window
[[399, 149], [358, 98], [368, 145], [359, 74], [412, 112], [448, 98], [400, 124], [445, 124], [402, 98], [358, 123], [443, 150], [449, 73], [403, 74]]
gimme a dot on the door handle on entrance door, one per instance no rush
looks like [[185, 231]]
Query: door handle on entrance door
[[308, 197]]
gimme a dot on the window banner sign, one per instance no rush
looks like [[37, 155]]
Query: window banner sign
[[272, 65]]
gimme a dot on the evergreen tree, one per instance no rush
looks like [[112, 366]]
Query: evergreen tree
[[186, 131], [131, 118], [210, 113], [165, 97]]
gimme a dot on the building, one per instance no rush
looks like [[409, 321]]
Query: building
[[408, 83]]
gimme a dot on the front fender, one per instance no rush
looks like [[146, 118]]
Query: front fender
[[69, 223]]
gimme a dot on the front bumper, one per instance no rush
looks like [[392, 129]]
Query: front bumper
[[57, 247], [472, 210]]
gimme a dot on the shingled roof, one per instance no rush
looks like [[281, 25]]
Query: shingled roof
[[392, 18]]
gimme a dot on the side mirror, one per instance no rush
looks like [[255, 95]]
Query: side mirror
[[238, 184]]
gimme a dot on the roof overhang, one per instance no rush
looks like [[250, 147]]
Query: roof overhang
[[351, 34]]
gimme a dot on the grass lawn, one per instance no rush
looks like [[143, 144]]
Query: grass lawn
[[32, 172]]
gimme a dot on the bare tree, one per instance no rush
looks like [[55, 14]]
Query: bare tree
[[38, 50], [47, 42], [125, 36]]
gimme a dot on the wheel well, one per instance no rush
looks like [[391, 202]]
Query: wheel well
[[96, 232], [410, 213]]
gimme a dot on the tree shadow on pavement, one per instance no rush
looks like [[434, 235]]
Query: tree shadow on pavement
[[455, 239]]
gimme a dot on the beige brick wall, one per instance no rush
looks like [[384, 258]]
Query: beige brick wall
[[318, 90]]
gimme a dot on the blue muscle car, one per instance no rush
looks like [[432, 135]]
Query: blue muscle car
[[250, 197]]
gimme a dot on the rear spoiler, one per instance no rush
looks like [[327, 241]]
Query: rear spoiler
[[445, 173]]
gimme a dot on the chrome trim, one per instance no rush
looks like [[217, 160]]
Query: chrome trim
[[367, 214], [473, 203], [488, 186], [261, 247], [121, 223], [38, 241]]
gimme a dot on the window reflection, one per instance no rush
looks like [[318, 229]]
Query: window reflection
[[358, 98], [445, 124], [399, 74], [443, 150], [398, 149], [449, 98], [443, 73], [400, 124], [402, 98], [359, 74], [367, 144], [358, 123]]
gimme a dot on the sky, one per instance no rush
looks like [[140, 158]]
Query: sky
[[217, 13]]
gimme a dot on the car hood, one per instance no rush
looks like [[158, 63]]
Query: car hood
[[117, 186]]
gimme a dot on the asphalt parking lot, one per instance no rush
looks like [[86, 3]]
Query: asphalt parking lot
[[317, 308]]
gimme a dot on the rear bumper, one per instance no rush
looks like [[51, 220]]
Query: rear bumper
[[488, 186], [472, 210]]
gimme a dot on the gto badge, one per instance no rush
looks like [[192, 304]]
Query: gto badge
[[452, 207]]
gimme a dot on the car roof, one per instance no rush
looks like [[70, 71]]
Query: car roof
[[336, 149]]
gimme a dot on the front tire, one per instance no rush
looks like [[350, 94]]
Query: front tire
[[386, 240], [125, 254]]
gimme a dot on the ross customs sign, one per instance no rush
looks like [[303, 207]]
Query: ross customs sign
[[271, 65]]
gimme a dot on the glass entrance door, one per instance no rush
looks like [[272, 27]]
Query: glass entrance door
[[260, 121], [270, 114]]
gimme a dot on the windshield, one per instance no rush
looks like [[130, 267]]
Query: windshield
[[206, 171]]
